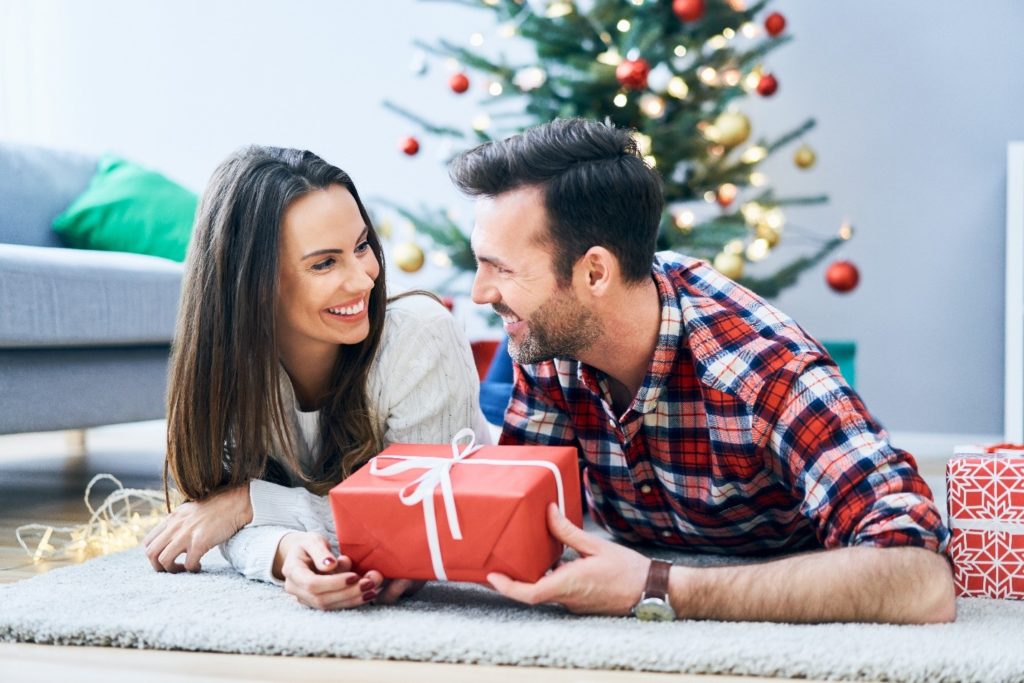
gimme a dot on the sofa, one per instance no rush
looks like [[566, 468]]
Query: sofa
[[84, 335]]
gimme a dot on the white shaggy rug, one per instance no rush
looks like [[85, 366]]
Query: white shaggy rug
[[120, 601]]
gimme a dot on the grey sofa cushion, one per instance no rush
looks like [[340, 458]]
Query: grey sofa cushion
[[36, 184], [78, 298]]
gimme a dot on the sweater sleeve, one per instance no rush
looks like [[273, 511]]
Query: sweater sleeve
[[430, 388], [282, 510]]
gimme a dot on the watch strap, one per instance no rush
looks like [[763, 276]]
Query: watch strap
[[657, 580]]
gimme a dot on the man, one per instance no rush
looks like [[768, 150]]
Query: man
[[706, 420]]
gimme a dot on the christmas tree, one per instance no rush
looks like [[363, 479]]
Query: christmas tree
[[675, 72]]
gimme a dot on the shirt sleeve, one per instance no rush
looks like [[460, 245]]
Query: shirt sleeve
[[431, 385], [282, 510], [855, 487], [536, 413]]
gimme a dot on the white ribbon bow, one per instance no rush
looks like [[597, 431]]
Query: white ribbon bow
[[438, 473]]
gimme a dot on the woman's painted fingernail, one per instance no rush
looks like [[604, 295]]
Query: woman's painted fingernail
[[327, 561], [350, 581], [365, 585], [367, 597]]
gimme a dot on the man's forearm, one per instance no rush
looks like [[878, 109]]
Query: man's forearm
[[890, 585]]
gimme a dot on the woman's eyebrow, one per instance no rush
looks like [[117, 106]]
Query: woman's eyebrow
[[321, 252]]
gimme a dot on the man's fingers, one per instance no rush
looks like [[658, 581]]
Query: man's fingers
[[393, 591], [570, 534], [529, 593]]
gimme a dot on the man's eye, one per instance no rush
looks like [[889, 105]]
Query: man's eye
[[324, 265]]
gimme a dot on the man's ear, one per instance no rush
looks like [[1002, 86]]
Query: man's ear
[[598, 269]]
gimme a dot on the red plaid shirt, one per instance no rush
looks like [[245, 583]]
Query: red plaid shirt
[[744, 437]]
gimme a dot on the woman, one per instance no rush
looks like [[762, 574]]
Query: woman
[[290, 369]]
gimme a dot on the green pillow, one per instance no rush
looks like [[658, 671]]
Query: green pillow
[[130, 208]]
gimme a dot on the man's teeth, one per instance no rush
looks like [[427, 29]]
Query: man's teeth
[[349, 310], [509, 319]]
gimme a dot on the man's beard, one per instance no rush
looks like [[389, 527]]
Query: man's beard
[[562, 326]]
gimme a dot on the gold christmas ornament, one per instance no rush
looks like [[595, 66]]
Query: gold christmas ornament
[[729, 265], [408, 256], [804, 157], [730, 129]]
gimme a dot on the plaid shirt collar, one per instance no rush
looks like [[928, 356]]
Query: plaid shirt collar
[[671, 339]]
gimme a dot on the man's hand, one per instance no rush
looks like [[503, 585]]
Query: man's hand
[[194, 528], [607, 579], [320, 580]]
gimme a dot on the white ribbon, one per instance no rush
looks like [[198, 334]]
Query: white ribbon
[[438, 473], [1007, 526]]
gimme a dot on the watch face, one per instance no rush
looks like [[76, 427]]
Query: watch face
[[654, 609]]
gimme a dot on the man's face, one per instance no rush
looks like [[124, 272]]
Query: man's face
[[515, 276]]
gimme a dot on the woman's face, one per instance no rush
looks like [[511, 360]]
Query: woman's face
[[326, 271]]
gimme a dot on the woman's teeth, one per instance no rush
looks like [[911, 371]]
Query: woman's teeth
[[349, 310]]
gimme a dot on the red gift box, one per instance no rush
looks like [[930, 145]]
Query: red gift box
[[985, 495], [449, 513]]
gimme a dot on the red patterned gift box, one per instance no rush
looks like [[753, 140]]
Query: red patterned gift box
[[985, 495]]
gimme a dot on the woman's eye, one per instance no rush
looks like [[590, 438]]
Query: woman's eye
[[363, 247], [323, 265]]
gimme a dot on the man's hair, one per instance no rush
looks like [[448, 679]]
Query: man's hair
[[597, 189]]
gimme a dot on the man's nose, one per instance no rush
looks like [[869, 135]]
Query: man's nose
[[482, 292]]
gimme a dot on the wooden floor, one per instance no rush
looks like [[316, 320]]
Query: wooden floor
[[40, 482]]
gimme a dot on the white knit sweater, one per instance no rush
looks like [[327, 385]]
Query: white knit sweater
[[423, 388]]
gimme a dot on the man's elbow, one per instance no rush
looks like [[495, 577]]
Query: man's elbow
[[937, 604]]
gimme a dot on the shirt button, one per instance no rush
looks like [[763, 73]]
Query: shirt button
[[666, 533], [646, 488]]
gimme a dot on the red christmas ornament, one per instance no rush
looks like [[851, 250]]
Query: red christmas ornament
[[688, 10], [842, 276], [775, 24], [409, 145], [632, 73], [767, 85], [459, 83]]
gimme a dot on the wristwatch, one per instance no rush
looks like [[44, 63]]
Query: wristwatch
[[654, 604]]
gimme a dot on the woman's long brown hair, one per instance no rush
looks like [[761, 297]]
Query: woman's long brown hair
[[225, 409]]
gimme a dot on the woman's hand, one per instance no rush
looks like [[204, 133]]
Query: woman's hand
[[194, 528], [317, 578]]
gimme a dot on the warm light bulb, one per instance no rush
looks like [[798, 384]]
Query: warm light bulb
[[734, 247], [481, 122], [729, 34], [707, 75], [652, 105], [476, 40], [717, 42], [643, 143], [611, 57], [758, 179], [558, 8], [749, 29], [620, 100], [680, 51], [623, 25], [754, 154], [677, 88], [495, 88], [846, 230], [684, 220], [757, 249]]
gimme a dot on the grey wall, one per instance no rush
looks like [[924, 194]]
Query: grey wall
[[915, 102]]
